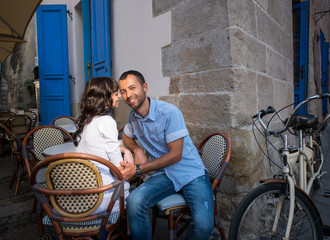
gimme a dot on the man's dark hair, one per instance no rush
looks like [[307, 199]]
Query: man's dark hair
[[137, 74]]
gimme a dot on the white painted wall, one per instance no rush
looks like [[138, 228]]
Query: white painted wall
[[136, 41]]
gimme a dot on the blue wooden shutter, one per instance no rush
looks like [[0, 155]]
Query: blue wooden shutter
[[300, 58], [87, 39], [325, 71], [100, 22], [53, 62]]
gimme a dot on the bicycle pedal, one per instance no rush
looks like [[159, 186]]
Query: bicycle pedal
[[326, 230]]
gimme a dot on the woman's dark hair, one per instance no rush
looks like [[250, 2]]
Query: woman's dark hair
[[96, 101]]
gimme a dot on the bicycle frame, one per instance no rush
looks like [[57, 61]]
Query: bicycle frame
[[304, 157]]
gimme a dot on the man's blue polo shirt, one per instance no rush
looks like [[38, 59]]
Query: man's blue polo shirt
[[165, 124]]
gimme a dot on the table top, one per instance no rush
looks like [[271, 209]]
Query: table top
[[60, 148], [70, 128]]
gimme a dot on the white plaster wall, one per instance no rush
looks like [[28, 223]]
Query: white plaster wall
[[136, 41]]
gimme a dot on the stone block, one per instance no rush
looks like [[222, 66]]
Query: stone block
[[243, 97], [265, 92], [268, 30], [247, 51], [206, 109], [197, 54], [283, 96], [276, 65], [242, 14], [218, 80], [276, 11], [173, 99], [193, 18]]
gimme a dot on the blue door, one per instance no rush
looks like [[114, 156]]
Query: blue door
[[53, 62], [325, 71], [300, 53], [87, 39], [100, 30]]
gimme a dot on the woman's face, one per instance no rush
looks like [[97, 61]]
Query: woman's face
[[115, 99]]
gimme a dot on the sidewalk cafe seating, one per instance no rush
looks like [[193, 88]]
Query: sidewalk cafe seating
[[215, 152], [16, 155], [74, 199]]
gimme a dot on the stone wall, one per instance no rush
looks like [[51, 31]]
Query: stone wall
[[18, 68], [227, 60]]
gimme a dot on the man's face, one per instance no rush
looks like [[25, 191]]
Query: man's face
[[132, 92]]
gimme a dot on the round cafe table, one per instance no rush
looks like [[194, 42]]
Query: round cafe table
[[60, 148]]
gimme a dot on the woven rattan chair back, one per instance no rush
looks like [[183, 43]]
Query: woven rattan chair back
[[33, 117], [213, 152], [75, 174], [19, 125], [63, 120], [75, 189], [39, 139]]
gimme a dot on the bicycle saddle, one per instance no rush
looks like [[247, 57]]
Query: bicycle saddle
[[303, 122]]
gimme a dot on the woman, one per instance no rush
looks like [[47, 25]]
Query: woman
[[97, 132]]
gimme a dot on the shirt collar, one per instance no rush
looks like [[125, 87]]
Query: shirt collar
[[152, 111]]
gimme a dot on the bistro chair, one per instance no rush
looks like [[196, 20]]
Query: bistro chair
[[75, 189], [39, 139], [3, 118], [66, 122], [34, 118], [63, 120], [16, 155], [215, 152], [33, 146], [19, 125]]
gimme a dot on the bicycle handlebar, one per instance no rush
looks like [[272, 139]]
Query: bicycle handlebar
[[287, 123]]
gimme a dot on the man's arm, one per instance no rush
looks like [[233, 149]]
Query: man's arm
[[174, 155], [139, 155]]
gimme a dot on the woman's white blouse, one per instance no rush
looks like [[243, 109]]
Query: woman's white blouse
[[100, 138]]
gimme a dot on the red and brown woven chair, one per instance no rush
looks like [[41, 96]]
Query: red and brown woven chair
[[75, 189], [215, 151]]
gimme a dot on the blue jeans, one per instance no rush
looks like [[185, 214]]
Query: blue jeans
[[198, 194]]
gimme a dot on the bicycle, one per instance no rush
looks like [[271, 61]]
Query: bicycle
[[278, 208]]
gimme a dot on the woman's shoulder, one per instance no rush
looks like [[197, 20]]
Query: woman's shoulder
[[107, 119]]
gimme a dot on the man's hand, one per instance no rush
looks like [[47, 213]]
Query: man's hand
[[127, 169]]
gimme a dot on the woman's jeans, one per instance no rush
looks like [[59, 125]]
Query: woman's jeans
[[198, 194]]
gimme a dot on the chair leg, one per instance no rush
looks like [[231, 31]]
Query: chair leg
[[154, 220], [218, 224], [171, 227]]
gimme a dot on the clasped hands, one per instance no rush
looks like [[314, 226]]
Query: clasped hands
[[128, 166]]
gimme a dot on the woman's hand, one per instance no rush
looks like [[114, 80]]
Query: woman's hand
[[140, 157], [128, 157]]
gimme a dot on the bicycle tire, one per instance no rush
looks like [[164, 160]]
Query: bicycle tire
[[254, 216]]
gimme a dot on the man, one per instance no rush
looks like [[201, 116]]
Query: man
[[160, 128]]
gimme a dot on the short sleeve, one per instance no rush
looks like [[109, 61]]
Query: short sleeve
[[128, 129], [175, 126]]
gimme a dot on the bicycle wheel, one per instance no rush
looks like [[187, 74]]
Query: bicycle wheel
[[255, 215]]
